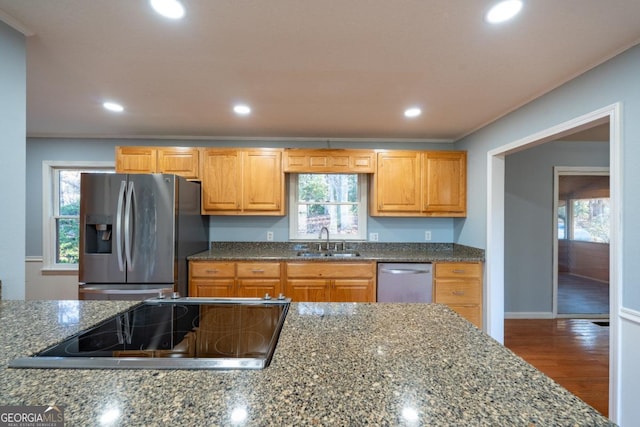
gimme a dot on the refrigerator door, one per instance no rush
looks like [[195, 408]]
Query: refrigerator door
[[150, 229], [101, 240]]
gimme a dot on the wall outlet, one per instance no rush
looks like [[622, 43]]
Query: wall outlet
[[269, 236], [427, 235], [373, 237]]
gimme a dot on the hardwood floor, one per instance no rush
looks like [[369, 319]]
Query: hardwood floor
[[580, 295], [574, 352]]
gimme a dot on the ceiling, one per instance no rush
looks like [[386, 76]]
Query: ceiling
[[327, 69]]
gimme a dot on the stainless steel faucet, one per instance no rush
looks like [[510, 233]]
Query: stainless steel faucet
[[320, 236]]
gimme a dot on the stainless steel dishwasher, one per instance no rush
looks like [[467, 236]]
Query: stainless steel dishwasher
[[405, 282]]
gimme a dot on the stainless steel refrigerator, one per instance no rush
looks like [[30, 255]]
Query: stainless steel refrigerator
[[136, 232]]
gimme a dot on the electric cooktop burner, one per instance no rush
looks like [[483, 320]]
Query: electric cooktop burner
[[184, 333]]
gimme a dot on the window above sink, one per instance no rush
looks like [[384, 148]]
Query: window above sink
[[335, 201]]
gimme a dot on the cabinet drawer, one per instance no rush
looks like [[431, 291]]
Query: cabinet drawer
[[458, 269], [330, 269], [458, 292], [212, 269], [258, 269]]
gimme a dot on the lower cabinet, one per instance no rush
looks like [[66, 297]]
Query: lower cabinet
[[234, 279], [459, 285], [331, 281]]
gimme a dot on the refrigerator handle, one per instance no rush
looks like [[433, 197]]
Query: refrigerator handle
[[123, 186], [128, 225]]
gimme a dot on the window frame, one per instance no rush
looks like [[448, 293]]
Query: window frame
[[50, 206], [362, 203]]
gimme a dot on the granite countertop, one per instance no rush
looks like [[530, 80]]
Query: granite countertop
[[380, 252], [336, 364]]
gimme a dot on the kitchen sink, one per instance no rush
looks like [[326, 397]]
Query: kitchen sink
[[344, 254], [322, 254]]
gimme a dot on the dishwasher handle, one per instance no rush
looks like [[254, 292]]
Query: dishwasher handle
[[404, 271]]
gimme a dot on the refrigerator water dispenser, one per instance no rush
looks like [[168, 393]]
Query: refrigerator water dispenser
[[97, 237]]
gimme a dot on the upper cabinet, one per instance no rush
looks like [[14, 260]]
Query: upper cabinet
[[445, 183], [329, 161], [242, 182], [396, 184], [420, 183], [183, 161]]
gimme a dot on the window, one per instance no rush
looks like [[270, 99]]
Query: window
[[61, 207], [584, 219], [335, 201]]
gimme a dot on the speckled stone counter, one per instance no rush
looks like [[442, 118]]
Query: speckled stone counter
[[381, 252], [335, 365]]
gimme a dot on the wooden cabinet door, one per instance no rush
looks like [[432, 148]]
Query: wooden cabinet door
[[329, 161], [445, 183], [181, 161], [212, 287], [308, 290], [263, 181], [258, 288], [221, 181], [136, 160], [352, 290], [397, 184]]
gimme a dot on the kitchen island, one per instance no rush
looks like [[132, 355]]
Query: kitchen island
[[335, 364]]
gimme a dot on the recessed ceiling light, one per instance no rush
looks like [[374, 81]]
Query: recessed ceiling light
[[412, 112], [503, 11], [168, 8], [242, 109], [113, 106]]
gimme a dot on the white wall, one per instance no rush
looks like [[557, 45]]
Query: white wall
[[12, 162]]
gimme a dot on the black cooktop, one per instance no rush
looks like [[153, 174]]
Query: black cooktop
[[184, 333]]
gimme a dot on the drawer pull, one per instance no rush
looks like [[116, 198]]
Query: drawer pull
[[458, 271], [212, 271], [257, 270], [459, 293]]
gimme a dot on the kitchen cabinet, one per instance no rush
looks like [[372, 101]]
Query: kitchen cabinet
[[234, 279], [211, 279], [183, 161], [396, 183], [459, 285], [242, 182], [419, 184], [444, 183], [329, 161], [331, 281]]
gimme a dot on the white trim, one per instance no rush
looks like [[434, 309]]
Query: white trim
[[15, 24], [559, 171], [495, 230], [528, 315], [48, 170], [630, 315]]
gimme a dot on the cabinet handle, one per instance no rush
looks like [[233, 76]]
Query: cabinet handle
[[212, 271], [458, 271], [257, 270], [459, 293]]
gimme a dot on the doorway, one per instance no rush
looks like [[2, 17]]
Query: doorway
[[581, 242], [495, 252]]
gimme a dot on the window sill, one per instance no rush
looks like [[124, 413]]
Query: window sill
[[59, 271]]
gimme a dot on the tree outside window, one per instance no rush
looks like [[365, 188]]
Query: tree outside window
[[335, 201]]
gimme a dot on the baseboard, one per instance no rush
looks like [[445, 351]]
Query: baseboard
[[528, 315]]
